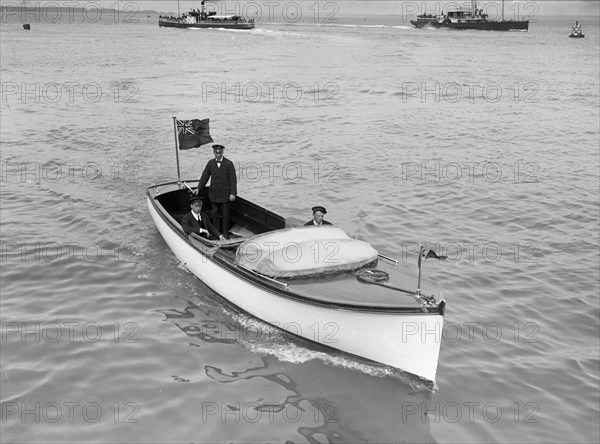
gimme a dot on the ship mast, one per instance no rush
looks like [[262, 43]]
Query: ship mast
[[502, 10]]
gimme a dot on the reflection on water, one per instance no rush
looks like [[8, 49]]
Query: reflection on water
[[231, 325], [309, 398]]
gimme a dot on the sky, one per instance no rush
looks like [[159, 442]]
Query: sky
[[344, 7]]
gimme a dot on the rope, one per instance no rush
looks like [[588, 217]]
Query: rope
[[372, 276]]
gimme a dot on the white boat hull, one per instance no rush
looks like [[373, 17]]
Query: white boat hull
[[407, 341]]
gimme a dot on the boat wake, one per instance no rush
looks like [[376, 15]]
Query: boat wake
[[290, 348]]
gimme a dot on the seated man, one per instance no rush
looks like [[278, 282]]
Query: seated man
[[197, 222], [317, 220]]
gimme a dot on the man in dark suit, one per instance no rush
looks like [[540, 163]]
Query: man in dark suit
[[223, 186], [317, 220], [198, 222]]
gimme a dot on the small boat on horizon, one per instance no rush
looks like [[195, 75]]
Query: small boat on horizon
[[472, 18], [577, 32], [204, 20]]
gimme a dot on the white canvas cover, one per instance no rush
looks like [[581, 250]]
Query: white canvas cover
[[304, 251]]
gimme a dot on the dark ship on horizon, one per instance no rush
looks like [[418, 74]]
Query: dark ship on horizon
[[472, 18], [204, 19]]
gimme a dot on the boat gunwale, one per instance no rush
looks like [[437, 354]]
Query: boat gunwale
[[264, 284]]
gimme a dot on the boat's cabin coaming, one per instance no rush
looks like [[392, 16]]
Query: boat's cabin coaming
[[247, 215]]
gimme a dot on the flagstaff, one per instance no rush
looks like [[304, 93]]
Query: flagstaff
[[176, 149]]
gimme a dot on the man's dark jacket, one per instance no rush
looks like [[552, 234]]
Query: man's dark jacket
[[222, 180], [191, 225]]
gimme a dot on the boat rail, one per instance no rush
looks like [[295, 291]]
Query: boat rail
[[394, 261], [262, 276]]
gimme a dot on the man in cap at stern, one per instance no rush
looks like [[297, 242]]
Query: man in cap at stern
[[198, 222], [317, 220], [223, 186]]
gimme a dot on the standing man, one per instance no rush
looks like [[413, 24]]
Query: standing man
[[223, 186], [318, 215]]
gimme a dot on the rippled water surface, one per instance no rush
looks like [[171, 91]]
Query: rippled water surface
[[483, 146]]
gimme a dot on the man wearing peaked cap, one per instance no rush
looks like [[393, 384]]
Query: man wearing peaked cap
[[198, 222], [317, 220], [223, 186]]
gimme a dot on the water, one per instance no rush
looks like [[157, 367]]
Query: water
[[481, 145]]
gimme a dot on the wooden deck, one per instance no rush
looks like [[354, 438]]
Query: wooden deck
[[345, 288]]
